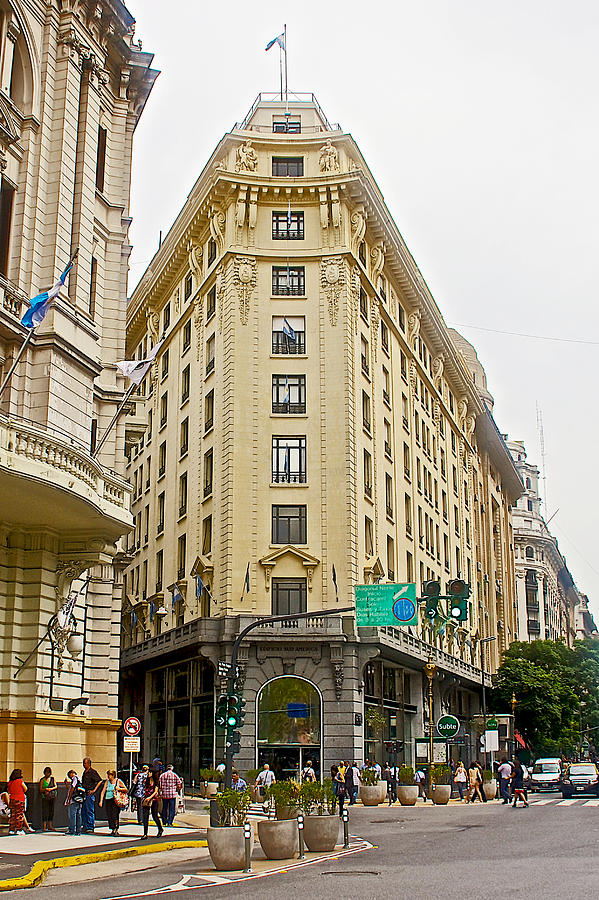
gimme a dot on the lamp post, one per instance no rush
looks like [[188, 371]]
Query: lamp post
[[430, 669], [514, 702], [482, 641]]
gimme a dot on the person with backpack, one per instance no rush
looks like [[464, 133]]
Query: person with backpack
[[74, 801], [341, 790], [308, 773]]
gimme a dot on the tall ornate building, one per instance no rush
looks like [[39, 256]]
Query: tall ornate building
[[73, 85], [546, 593], [309, 426]]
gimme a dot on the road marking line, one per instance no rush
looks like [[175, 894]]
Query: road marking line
[[543, 802], [568, 802], [591, 803]]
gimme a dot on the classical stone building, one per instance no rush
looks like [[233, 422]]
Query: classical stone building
[[585, 621], [73, 85], [309, 426], [546, 593]]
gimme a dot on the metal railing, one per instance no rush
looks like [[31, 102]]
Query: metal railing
[[293, 97]]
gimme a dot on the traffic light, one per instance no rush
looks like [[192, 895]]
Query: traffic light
[[389, 746], [234, 742], [459, 591], [222, 707], [431, 591], [236, 711]]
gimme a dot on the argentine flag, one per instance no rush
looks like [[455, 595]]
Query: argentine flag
[[288, 330], [280, 40], [40, 305]]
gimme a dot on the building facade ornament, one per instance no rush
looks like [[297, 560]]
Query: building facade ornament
[[377, 261], [217, 228], [375, 318], [245, 282], [220, 294], [358, 229], [328, 158], [414, 327], [469, 426], [438, 364], [462, 411], [356, 283], [240, 206], [332, 281], [247, 158]]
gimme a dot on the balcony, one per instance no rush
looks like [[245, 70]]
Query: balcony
[[65, 489], [282, 343], [292, 409], [13, 302], [534, 627], [532, 605], [288, 477]]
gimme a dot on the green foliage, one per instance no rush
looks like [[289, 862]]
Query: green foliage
[[376, 721], [316, 799], [406, 775], [441, 775], [233, 806], [251, 775], [370, 777], [211, 775], [284, 793], [487, 775]]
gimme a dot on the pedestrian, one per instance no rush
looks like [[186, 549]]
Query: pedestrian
[[157, 765], [113, 794], [138, 791], [341, 791], [391, 778], [357, 778], [5, 808], [221, 767], [92, 783], [505, 774], [74, 801], [16, 790], [420, 780], [237, 783], [48, 791], [518, 784], [334, 770], [474, 782], [150, 804], [348, 779], [170, 784], [377, 768], [481, 781], [264, 780], [307, 773], [461, 778]]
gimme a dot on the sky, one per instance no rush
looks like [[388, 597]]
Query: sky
[[479, 122]]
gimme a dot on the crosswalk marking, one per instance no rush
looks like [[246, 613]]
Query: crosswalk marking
[[567, 802], [544, 802], [592, 803]]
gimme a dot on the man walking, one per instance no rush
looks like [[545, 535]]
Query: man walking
[[505, 775], [237, 783], [264, 780], [91, 782], [170, 783], [356, 779]]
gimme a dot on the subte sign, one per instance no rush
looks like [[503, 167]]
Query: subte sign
[[131, 726], [448, 726]]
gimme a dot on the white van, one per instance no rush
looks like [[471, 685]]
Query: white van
[[546, 774]]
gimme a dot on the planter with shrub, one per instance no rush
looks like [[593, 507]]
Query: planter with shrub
[[407, 790], [226, 844], [278, 837], [489, 785], [321, 826], [213, 779], [370, 788], [441, 785]]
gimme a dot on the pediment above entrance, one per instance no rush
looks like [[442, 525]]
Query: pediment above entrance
[[283, 556]]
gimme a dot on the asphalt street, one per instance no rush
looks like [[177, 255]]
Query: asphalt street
[[478, 851]]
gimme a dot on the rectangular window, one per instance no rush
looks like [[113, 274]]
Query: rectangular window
[[146, 524], [363, 304], [148, 470], [386, 387], [288, 334], [288, 166], [390, 559], [288, 226], [287, 126], [210, 350], [362, 253], [160, 514], [367, 474], [164, 364], [185, 378], [162, 459], [456, 520], [368, 536], [93, 287], [7, 194], [289, 525], [181, 556], [389, 495], [207, 536], [406, 462], [288, 281], [211, 251], [183, 494], [184, 438], [187, 336], [408, 513], [366, 411], [101, 159], [384, 337], [163, 409], [388, 448], [364, 355], [289, 460], [403, 363], [289, 394], [144, 583], [188, 286], [166, 317], [209, 411], [211, 302], [444, 505], [159, 569], [208, 471], [288, 596], [409, 566]]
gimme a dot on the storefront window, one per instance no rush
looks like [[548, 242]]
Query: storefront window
[[289, 713]]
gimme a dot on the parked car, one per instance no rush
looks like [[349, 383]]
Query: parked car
[[546, 775], [580, 778]]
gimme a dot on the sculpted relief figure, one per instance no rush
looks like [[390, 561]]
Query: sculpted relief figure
[[247, 158], [329, 158]]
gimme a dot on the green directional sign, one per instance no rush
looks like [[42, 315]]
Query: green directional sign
[[492, 724], [386, 604], [448, 726]]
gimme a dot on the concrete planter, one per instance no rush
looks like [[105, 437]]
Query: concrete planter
[[286, 812], [227, 848], [370, 794], [490, 789], [441, 794], [407, 794], [212, 788], [278, 839], [321, 833]]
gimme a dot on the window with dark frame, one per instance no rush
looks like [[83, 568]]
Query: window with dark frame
[[289, 596], [101, 159], [284, 343], [289, 459], [188, 286], [184, 444], [288, 226], [288, 166], [289, 394], [181, 556], [210, 350], [211, 302], [211, 251], [288, 281], [159, 569], [208, 469], [163, 409], [207, 536], [187, 335], [287, 126], [185, 381], [165, 364], [160, 514], [162, 459], [289, 525], [209, 411], [7, 194], [166, 320], [183, 494]]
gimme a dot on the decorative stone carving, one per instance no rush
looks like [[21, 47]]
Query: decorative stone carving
[[217, 228], [377, 261], [355, 297], [413, 376], [194, 255], [240, 207], [177, 301], [469, 426], [67, 570], [338, 676], [247, 158], [335, 208], [153, 323], [375, 318], [220, 294], [462, 411], [221, 165], [324, 208], [437, 415], [438, 364], [358, 229], [414, 326], [253, 210], [328, 158], [245, 282], [332, 280], [393, 303]]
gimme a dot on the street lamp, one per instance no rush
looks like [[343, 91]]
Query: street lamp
[[482, 641], [430, 669]]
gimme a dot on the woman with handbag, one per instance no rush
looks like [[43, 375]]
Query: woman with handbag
[[48, 791], [115, 794], [150, 804]]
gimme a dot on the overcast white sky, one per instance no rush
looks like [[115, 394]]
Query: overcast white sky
[[479, 122]]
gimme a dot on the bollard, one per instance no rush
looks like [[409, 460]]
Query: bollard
[[193, 787], [345, 830], [247, 834], [300, 834]]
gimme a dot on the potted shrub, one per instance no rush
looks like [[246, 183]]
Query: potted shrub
[[212, 778], [441, 785], [489, 784], [226, 844], [321, 826], [407, 789], [370, 790], [278, 837]]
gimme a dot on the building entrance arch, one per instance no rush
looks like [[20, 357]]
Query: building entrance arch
[[289, 726]]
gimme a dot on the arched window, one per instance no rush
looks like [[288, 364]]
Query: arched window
[[289, 713], [530, 553]]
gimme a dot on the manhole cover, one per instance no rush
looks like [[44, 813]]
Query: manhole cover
[[353, 872]]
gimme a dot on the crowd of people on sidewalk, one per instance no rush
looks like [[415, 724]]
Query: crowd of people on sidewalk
[[153, 790]]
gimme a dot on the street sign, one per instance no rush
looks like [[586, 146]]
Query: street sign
[[491, 739], [131, 726], [492, 724], [439, 750], [131, 744], [448, 726], [386, 604], [223, 668]]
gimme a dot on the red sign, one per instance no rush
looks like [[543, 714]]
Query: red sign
[[132, 726]]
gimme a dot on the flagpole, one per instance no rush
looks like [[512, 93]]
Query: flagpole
[[286, 85], [16, 361], [281, 70], [102, 440]]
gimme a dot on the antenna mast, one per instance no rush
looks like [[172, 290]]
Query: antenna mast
[[541, 434]]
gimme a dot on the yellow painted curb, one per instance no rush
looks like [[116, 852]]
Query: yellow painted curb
[[39, 869]]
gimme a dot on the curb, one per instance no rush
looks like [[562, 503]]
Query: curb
[[38, 871]]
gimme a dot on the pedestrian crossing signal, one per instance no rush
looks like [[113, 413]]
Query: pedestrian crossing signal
[[222, 707]]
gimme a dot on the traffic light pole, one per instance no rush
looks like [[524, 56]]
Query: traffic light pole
[[235, 652]]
